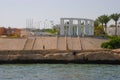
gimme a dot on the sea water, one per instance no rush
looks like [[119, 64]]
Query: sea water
[[59, 72]]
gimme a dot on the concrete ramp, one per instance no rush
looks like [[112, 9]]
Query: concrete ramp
[[69, 42], [50, 43], [97, 42], [73, 43], [87, 44], [61, 43], [39, 44], [76, 43], [45, 43], [12, 44], [91, 43], [29, 44]]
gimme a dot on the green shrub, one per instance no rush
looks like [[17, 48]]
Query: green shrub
[[114, 43], [104, 45]]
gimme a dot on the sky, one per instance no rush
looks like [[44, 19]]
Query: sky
[[13, 13]]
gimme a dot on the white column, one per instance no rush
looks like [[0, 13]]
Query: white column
[[85, 28], [93, 28], [70, 27], [62, 31], [79, 32], [90, 28]]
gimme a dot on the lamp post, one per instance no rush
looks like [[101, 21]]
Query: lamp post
[[44, 34]]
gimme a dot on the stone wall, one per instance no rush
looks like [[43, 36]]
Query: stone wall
[[48, 56]]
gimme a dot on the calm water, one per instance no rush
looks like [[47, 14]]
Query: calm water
[[59, 72]]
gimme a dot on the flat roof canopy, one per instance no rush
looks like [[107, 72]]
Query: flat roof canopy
[[76, 19]]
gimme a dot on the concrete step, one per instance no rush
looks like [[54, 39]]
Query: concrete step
[[29, 44]]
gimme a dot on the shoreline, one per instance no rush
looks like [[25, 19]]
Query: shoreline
[[59, 57]]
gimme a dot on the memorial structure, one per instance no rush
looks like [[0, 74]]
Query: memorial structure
[[76, 27]]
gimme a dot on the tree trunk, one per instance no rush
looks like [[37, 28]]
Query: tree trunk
[[102, 24], [105, 28], [115, 28]]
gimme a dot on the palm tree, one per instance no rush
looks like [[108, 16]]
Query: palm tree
[[104, 19], [115, 17], [100, 19], [96, 23]]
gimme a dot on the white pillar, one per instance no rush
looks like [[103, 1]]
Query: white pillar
[[62, 30], [92, 28], [70, 27], [85, 28], [79, 32]]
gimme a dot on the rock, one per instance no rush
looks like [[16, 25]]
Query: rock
[[30, 57], [79, 56], [68, 56], [59, 56], [100, 56], [8, 57], [116, 50]]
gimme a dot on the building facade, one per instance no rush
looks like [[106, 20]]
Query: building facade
[[111, 31], [9, 31], [2, 31], [76, 27]]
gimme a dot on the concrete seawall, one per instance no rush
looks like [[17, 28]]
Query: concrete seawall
[[55, 50], [48, 56], [12, 44], [51, 43]]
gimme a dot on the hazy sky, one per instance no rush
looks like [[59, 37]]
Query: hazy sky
[[15, 12]]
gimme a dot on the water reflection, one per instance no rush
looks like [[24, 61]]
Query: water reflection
[[59, 72]]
